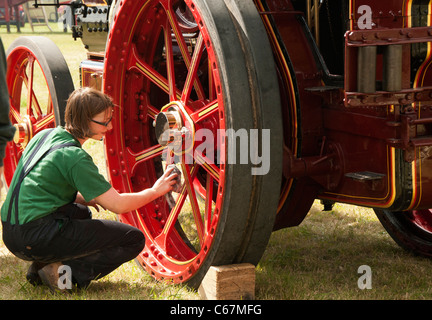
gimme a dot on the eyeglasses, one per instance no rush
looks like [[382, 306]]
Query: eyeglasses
[[105, 124]]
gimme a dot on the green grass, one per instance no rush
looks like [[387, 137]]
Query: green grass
[[316, 260], [319, 260]]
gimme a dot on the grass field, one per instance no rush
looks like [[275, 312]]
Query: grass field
[[317, 260]]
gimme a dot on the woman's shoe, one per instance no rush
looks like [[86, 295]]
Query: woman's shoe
[[50, 276], [32, 275]]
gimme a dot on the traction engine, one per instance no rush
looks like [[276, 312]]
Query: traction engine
[[264, 106]]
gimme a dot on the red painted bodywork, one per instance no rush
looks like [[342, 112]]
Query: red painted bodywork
[[342, 145]]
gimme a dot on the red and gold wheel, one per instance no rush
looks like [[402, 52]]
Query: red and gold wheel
[[195, 84], [412, 230], [39, 84]]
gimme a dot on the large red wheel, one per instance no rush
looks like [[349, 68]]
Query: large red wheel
[[179, 70], [39, 84]]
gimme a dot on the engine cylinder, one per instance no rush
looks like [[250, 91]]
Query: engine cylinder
[[366, 69]]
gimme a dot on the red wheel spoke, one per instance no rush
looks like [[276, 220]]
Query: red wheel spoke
[[183, 48], [29, 83], [170, 63], [193, 69], [50, 107], [16, 115], [173, 216], [205, 112], [31, 97], [179, 36], [169, 225], [208, 201], [186, 190], [45, 122], [136, 158], [208, 165], [150, 73], [194, 203], [152, 111]]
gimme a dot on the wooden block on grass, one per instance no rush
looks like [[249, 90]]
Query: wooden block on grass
[[230, 282]]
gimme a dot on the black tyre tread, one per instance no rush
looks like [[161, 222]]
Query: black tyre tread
[[55, 68], [268, 115]]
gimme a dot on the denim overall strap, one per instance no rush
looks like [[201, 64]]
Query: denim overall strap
[[27, 167]]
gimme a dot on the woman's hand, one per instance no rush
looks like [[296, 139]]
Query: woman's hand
[[165, 183]]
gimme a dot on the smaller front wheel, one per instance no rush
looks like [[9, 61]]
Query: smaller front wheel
[[412, 230], [39, 84]]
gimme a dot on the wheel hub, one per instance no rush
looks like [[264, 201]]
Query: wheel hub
[[24, 131], [174, 127], [168, 126]]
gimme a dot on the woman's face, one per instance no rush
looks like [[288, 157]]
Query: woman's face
[[101, 123]]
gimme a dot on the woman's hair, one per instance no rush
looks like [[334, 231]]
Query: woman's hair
[[83, 104]]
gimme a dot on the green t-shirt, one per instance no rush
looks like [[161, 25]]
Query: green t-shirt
[[55, 179]]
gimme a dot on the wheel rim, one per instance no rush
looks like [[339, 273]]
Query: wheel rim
[[33, 63], [184, 95], [421, 219], [412, 230]]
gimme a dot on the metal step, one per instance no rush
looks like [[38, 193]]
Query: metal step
[[365, 176], [323, 88]]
